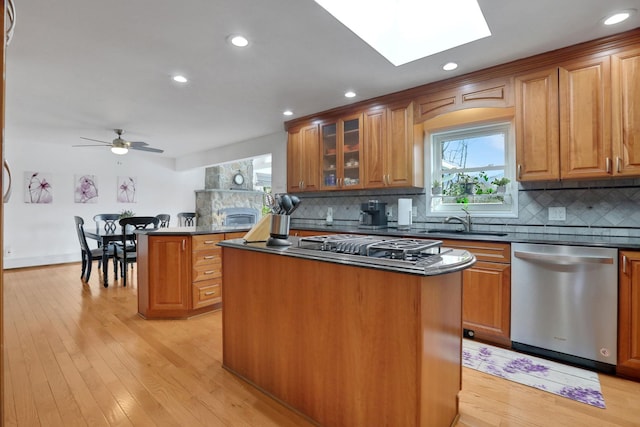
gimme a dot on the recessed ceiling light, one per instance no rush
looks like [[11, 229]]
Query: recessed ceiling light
[[180, 79], [288, 113], [618, 17], [238, 41], [405, 30], [350, 94], [450, 66]]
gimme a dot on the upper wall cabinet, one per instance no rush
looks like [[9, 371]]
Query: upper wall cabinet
[[392, 150], [341, 153], [579, 120], [303, 154], [625, 98], [489, 93]]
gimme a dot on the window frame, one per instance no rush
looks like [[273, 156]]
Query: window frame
[[433, 137]]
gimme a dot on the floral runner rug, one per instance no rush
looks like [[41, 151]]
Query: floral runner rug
[[573, 383]]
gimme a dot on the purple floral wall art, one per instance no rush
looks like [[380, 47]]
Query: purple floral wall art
[[86, 189], [38, 188], [127, 192]]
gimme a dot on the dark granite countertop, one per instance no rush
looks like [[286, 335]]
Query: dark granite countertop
[[193, 231], [449, 261], [555, 239]]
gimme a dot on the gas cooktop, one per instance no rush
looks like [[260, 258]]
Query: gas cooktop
[[412, 255]]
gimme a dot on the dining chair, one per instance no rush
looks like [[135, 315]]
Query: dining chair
[[126, 252], [109, 222], [89, 255], [164, 220], [186, 219]]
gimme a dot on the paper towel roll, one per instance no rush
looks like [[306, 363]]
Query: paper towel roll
[[405, 210]]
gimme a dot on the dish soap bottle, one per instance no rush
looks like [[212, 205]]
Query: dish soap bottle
[[329, 216]]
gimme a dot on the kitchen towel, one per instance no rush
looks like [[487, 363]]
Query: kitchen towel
[[573, 383]]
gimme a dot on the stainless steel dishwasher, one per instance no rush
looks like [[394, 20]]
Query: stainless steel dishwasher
[[564, 303]]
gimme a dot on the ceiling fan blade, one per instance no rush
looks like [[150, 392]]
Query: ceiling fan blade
[[91, 145], [96, 140], [153, 150], [138, 144]]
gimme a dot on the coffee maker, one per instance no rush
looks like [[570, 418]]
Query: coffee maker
[[373, 214]]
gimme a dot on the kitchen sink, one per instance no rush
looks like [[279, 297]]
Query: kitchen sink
[[466, 233]]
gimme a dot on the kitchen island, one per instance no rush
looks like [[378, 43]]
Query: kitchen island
[[345, 344]]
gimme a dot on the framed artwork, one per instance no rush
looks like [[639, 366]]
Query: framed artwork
[[38, 188], [126, 191], [86, 189]]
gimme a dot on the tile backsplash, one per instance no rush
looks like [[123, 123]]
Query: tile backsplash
[[603, 207]]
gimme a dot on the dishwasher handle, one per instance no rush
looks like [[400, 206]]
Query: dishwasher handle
[[562, 259]]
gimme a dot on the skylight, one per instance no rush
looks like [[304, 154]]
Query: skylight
[[405, 30]]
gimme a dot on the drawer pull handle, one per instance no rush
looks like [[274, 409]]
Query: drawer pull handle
[[608, 164], [209, 293], [209, 272], [209, 257], [209, 242]]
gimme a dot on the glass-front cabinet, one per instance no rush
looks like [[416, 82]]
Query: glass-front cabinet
[[341, 159]]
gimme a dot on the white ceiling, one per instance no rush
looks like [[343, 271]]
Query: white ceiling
[[83, 67]]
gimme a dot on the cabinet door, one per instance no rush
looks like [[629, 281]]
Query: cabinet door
[[375, 135], [169, 280], [341, 153], [400, 146], [486, 301], [625, 93], [303, 154], [537, 126], [629, 315], [585, 119]]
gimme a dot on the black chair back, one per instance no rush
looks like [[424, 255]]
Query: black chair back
[[81, 237], [110, 221], [164, 220], [186, 219], [126, 252]]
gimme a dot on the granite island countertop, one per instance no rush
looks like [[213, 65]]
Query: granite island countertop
[[193, 231], [448, 261]]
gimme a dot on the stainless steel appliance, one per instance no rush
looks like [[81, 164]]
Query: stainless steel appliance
[[564, 303], [405, 255], [373, 214]]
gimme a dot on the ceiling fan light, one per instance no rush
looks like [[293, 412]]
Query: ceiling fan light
[[119, 150]]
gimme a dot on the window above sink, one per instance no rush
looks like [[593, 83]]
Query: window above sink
[[473, 167]]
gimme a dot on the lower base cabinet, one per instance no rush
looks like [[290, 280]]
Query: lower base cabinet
[[486, 291], [629, 315], [179, 276]]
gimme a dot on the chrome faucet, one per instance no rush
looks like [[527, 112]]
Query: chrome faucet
[[465, 222]]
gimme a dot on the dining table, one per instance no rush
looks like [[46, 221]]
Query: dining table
[[105, 237]]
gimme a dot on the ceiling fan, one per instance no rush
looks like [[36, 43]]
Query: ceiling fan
[[121, 146]]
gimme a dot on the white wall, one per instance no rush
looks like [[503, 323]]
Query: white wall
[[40, 234]]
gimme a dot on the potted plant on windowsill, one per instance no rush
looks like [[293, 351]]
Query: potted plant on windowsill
[[436, 188], [501, 184]]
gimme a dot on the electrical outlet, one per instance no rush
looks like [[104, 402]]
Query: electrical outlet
[[414, 211], [558, 213], [389, 211]]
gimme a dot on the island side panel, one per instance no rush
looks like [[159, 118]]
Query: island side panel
[[441, 351], [341, 344]]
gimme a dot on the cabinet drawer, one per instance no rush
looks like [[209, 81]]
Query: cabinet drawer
[[207, 293], [484, 251], [207, 257], [205, 241], [206, 272]]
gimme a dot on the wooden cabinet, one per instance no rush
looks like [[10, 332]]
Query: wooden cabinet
[[486, 291], [392, 152], [303, 159], [179, 275], [625, 98], [341, 144], [629, 315], [164, 264], [580, 120]]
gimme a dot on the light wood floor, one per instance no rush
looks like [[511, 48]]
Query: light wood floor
[[77, 354]]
